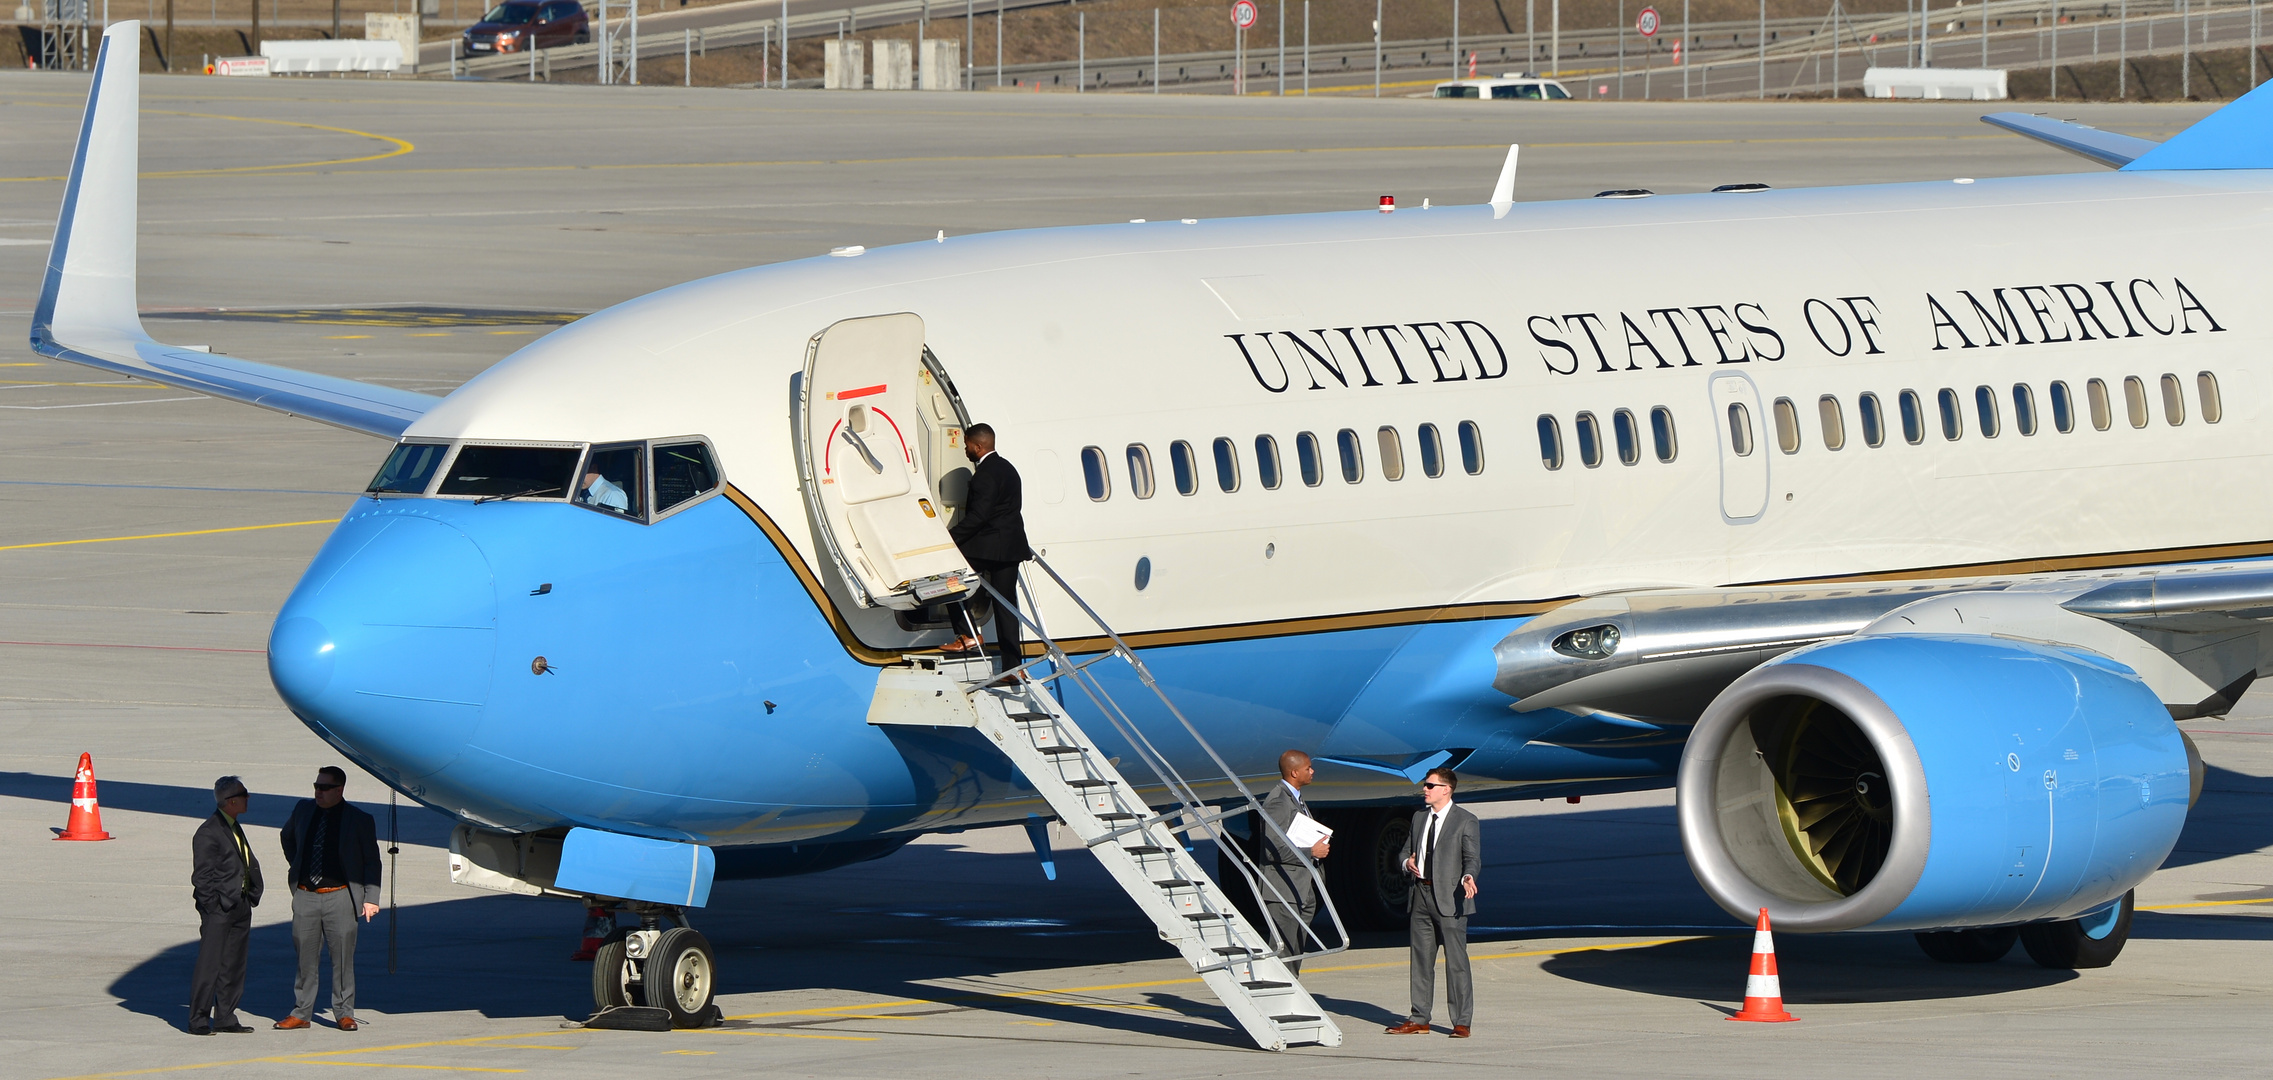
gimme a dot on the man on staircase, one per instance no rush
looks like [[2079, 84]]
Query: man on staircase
[[991, 533], [1286, 868]]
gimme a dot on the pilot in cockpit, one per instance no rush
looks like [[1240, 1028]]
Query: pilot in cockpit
[[598, 490]]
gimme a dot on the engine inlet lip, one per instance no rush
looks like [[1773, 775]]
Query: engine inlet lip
[[1698, 800]]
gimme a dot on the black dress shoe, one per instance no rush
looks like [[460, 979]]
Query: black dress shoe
[[201, 1031], [235, 1029]]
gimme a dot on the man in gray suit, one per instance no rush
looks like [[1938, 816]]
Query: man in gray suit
[[1286, 868], [1444, 855]]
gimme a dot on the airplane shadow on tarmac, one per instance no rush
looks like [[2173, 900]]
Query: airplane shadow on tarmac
[[899, 927], [269, 810]]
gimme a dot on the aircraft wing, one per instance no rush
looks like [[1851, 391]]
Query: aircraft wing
[[87, 313], [2196, 634], [2104, 147]]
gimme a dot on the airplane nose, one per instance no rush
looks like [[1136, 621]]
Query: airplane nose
[[387, 645]]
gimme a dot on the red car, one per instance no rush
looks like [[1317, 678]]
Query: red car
[[519, 25]]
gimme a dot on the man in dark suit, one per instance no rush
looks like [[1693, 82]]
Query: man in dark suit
[[333, 848], [1286, 868], [992, 535], [1443, 854], [224, 880]]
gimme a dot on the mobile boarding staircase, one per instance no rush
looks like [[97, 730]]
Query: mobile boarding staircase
[[1138, 843]]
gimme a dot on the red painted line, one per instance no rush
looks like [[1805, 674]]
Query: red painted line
[[865, 391], [167, 648]]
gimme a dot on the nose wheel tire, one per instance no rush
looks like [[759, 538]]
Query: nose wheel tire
[[615, 981], [2093, 941], [681, 977], [1986, 945]]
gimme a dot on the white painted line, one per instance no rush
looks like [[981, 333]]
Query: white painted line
[[10, 241]]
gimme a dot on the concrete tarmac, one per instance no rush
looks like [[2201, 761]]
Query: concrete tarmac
[[148, 536]]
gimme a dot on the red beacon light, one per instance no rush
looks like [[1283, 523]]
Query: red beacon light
[[1389, 204]]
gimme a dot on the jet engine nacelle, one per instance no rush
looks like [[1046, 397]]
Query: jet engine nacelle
[[1917, 782]]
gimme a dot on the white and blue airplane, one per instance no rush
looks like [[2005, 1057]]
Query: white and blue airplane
[[1899, 566]]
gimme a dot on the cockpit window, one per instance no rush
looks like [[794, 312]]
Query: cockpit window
[[410, 468], [541, 472], [682, 471], [612, 480]]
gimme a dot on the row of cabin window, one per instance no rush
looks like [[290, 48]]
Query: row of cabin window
[[1987, 412], [1625, 430], [1309, 455]]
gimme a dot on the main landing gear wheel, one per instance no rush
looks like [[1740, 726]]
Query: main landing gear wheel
[[615, 977], [1985, 945], [1370, 887], [2089, 942], [680, 977]]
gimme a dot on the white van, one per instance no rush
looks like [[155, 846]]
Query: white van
[[1513, 86]]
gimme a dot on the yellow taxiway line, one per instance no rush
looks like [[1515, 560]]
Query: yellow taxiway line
[[163, 536]]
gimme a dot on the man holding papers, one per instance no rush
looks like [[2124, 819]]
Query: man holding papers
[[1285, 865], [1444, 854]]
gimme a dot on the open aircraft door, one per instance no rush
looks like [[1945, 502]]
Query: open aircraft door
[[863, 463]]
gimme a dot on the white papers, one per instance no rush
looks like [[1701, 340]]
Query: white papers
[[1305, 831]]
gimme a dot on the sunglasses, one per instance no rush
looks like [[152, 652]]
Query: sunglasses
[[329, 787], [1432, 783]]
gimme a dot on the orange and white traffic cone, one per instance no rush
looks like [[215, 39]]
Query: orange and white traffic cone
[[1763, 993], [86, 821]]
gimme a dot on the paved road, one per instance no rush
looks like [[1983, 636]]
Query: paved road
[[952, 958]]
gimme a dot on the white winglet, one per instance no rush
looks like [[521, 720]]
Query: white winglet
[[89, 294], [87, 314], [1503, 192]]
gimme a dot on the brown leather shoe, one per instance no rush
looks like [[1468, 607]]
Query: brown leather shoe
[[1409, 1027], [291, 1023], [347, 1023], [1459, 1031]]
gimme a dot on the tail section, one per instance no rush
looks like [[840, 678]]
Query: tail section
[[2239, 136], [87, 313]]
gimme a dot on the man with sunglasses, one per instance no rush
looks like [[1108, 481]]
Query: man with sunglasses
[[1443, 853], [334, 851]]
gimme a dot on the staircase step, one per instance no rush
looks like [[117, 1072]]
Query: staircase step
[[1237, 950], [1260, 985], [1060, 749], [1147, 849], [1203, 916], [1030, 717], [1083, 785], [1296, 1018], [1172, 883], [1116, 815]]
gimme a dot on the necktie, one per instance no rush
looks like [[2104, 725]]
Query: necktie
[[244, 857], [1428, 847]]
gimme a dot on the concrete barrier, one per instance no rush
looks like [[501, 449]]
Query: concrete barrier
[[1962, 84], [292, 57], [895, 64], [939, 64], [400, 29], [841, 66]]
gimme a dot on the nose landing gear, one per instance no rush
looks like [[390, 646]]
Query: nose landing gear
[[671, 969]]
